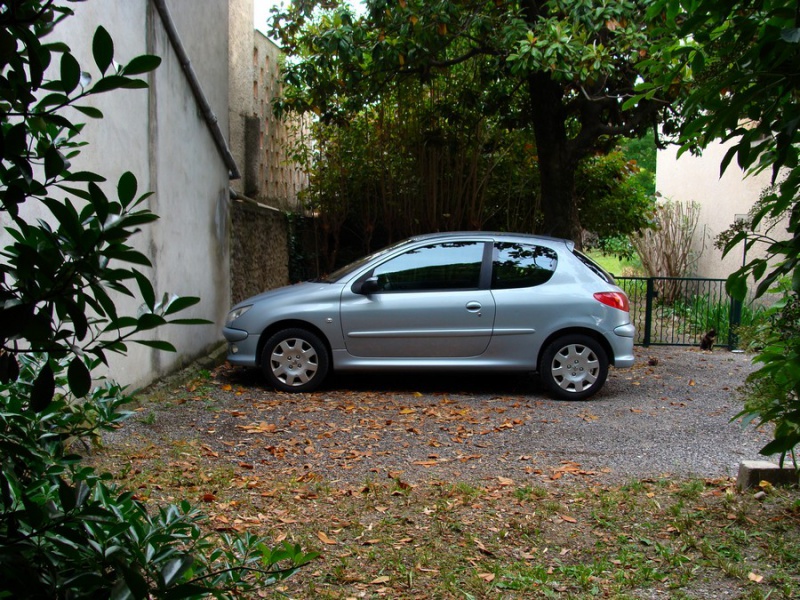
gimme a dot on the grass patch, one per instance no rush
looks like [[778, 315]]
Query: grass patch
[[626, 267], [456, 540]]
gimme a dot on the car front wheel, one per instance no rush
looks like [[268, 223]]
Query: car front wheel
[[573, 367], [295, 360]]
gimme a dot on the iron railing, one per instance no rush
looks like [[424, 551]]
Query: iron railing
[[679, 311]]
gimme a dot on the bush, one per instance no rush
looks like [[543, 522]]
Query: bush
[[65, 531], [771, 393]]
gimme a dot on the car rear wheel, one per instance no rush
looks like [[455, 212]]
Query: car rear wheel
[[573, 367], [295, 360]]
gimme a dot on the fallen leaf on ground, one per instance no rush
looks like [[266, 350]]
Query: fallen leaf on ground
[[569, 519], [323, 537]]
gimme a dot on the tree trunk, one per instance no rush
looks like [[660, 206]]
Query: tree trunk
[[557, 160]]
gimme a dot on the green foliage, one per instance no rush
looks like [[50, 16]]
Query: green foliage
[[741, 59], [64, 532], [448, 149], [618, 258], [557, 71], [773, 392], [613, 199], [642, 151], [700, 313]]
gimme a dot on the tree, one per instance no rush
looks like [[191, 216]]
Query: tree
[[64, 532], [562, 68], [743, 57]]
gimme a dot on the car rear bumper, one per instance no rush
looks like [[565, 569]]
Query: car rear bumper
[[622, 345]]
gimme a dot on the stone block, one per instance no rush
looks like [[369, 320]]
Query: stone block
[[753, 472]]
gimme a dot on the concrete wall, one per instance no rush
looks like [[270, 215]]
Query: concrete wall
[[692, 178], [260, 141], [160, 135], [270, 181]]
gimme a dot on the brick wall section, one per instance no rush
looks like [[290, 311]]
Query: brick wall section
[[259, 250]]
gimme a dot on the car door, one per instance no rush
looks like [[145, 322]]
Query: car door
[[525, 306], [428, 302]]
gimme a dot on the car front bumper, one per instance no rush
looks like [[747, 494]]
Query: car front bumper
[[242, 347]]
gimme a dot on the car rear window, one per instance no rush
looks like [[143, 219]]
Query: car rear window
[[521, 265], [595, 268]]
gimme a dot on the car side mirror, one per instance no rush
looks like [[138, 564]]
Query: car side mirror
[[369, 286]]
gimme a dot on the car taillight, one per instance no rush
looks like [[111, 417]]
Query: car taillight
[[614, 300]]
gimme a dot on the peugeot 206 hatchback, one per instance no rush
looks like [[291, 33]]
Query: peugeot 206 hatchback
[[443, 302]]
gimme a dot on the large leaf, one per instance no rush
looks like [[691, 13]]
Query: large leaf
[[79, 377], [115, 82], [14, 320], [157, 344], [9, 368], [43, 390], [126, 188], [146, 289], [174, 569], [142, 64], [54, 163], [180, 303], [102, 49], [90, 111], [70, 73]]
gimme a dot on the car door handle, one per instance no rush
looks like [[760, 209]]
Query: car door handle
[[473, 306]]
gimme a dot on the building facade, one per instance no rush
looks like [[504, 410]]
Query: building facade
[[262, 144], [722, 199], [202, 138]]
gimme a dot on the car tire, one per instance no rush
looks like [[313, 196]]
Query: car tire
[[295, 360], [573, 367]]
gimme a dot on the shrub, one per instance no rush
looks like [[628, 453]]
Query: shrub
[[65, 531]]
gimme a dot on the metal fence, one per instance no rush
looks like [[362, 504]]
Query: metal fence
[[679, 311]]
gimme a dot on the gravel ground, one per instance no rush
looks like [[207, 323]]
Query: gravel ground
[[668, 415]]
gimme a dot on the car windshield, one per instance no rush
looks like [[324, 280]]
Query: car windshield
[[345, 271], [595, 268]]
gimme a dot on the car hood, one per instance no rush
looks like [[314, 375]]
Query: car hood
[[305, 287]]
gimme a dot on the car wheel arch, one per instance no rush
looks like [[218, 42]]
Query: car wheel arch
[[598, 337], [293, 324]]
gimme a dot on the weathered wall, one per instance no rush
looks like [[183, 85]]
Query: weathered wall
[[259, 140], [161, 137], [259, 250], [270, 182], [696, 178]]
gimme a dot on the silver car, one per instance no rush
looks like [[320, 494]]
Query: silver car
[[443, 302]]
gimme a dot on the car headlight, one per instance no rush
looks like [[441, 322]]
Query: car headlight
[[236, 313]]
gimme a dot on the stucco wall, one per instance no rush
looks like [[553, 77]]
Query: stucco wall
[[161, 137], [696, 178]]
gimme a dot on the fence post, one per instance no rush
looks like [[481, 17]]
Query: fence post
[[734, 321], [648, 311]]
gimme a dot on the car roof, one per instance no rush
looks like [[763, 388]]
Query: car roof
[[494, 235]]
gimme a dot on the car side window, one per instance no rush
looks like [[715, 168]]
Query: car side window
[[521, 265], [444, 266]]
